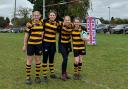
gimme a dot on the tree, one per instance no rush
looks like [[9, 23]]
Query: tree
[[7, 21], [2, 22], [24, 12], [73, 8], [114, 21], [20, 21], [38, 5], [32, 1], [79, 8], [104, 21]]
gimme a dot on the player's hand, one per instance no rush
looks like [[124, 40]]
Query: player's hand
[[28, 25], [85, 39], [42, 35], [24, 48]]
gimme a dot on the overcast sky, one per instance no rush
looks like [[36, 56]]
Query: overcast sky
[[118, 8]]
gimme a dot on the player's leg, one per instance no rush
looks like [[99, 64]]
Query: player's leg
[[28, 66], [64, 54], [76, 67], [38, 53], [30, 53], [66, 66], [80, 63], [68, 50], [52, 52], [79, 66], [76, 62], [82, 53], [44, 60], [38, 68]]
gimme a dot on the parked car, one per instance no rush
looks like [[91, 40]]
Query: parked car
[[109, 28], [17, 30], [120, 29], [101, 28], [126, 30], [4, 30]]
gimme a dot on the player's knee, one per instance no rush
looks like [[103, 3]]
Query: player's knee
[[76, 60], [29, 60], [37, 59], [80, 60]]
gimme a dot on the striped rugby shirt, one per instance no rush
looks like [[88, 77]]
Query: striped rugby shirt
[[50, 31], [78, 43], [65, 34], [35, 33]]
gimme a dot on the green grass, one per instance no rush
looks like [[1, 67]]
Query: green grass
[[105, 66]]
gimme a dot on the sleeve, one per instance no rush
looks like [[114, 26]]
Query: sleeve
[[44, 22], [27, 30], [59, 26]]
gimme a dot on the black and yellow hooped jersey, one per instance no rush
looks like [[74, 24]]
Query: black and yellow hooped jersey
[[50, 31], [35, 33], [78, 43], [65, 34]]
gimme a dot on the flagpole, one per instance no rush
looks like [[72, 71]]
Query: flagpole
[[15, 13], [43, 9]]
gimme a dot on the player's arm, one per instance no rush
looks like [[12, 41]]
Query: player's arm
[[42, 34], [59, 26], [26, 36], [43, 24], [29, 25]]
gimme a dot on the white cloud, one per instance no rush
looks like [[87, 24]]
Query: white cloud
[[118, 8], [7, 6], [100, 7], [118, 5]]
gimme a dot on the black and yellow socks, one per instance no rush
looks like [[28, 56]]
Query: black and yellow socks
[[75, 68], [79, 67], [44, 69], [28, 71], [38, 68], [51, 67]]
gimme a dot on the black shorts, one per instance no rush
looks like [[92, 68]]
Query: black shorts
[[49, 47], [79, 52], [34, 50], [65, 47]]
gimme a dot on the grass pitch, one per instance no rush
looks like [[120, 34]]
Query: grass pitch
[[105, 65]]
